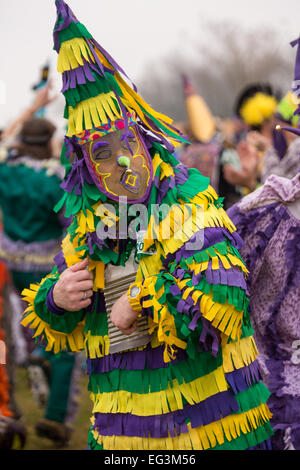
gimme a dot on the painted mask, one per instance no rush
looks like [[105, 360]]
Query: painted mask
[[119, 166]]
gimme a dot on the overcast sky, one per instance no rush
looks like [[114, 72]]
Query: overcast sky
[[134, 32]]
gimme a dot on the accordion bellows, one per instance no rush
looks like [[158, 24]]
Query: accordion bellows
[[117, 282]]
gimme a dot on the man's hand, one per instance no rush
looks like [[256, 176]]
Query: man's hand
[[74, 289], [123, 316]]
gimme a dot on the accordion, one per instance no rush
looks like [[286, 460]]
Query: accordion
[[117, 282]]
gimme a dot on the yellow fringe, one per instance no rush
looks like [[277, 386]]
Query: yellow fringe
[[56, 341], [227, 261], [180, 225], [239, 354], [73, 257], [96, 346], [224, 317], [163, 322], [98, 269], [162, 402], [200, 438], [133, 101], [71, 54], [70, 254], [85, 222], [94, 111]]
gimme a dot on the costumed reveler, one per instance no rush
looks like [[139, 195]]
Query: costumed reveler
[[268, 220], [185, 373]]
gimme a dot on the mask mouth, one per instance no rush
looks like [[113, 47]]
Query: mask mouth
[[131, 180]]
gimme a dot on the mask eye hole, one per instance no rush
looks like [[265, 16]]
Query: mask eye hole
[[102, 154], [101, 151]]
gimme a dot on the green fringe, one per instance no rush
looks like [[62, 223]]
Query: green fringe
[[92, 443], [195, 184], [96, 322], [165, 155], [221, 292], [74, 203], [101, 85], [185, 371], [252, 397], [154, 380], [74, 30], [234, 295]]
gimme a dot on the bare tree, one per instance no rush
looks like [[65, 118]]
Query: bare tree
[[230, 58]]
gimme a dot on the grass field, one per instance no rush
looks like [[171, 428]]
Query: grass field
[[32, 413]]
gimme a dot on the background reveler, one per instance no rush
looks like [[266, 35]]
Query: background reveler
[[30, 179], [268, 220], [12, 430]]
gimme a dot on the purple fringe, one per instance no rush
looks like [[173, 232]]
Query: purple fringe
[[78, 175], [241, 379], [133, 360], [210, 237], [60, 262], [212, 409], [80, 75]]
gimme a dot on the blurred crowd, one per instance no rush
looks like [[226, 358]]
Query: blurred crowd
[[238, 153]]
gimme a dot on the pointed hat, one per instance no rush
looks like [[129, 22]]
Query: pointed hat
[[95, 87]]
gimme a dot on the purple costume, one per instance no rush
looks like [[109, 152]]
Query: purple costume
[[268, 221]]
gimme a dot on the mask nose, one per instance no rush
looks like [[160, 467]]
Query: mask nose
[[124, 162]]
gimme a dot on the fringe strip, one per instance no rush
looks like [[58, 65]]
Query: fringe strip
[[71, 54], [164, 401], [55, 340], [96, 346], [239, 354], [200, 438]]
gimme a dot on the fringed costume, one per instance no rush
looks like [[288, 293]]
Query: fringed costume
[[268, 220], [195, 382]]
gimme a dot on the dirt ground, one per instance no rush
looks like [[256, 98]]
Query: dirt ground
[[32, 413]]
